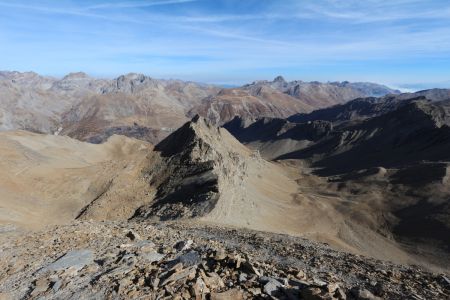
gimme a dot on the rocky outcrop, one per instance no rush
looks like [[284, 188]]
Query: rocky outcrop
[[201, 171]]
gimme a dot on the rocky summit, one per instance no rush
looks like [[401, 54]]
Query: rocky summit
[[144, 260]]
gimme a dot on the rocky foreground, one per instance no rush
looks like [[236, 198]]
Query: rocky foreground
[[168, 260]]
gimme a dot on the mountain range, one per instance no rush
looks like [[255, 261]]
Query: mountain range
[[136, 105]]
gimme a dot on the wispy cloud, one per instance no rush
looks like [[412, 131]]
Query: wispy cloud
[[225, 37], [377, 11], [135, 4]]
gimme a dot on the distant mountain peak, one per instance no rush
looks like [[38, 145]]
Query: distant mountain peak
[[134, 76], [76, 75], [279, 78]]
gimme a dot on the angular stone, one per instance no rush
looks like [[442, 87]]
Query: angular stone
[[177, 267], [41, 285], [152, 257], [124, 283], [120, 271], [155, 283], [242, 277], [255, 291], [318, 282], [272, 286], [340, 294], [233, 294], [70, 272], [183, 245], [190, 259], [332, 287], [299, 283], [146, 246], [314, 293], [220, 254], [213, 280], [189, 272], [56, 285], [199, 289], [129, 259], [363, 294], [300, 275], [250, 268]]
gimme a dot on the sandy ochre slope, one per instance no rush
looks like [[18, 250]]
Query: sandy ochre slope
[[47, 179]]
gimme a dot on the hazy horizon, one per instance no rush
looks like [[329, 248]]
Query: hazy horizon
[[404, 44]]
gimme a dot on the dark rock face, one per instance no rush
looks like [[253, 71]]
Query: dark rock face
[[416, 131], [358, 109], [192, 191], [362, 134], [312, 130], [268, 129], [425, 221], [188, 180], [261, 130], [363, 108]]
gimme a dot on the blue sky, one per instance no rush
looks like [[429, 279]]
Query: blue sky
[[403, 43]]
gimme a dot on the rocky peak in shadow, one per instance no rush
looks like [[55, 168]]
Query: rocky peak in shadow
[[189, 136], [195, 161]]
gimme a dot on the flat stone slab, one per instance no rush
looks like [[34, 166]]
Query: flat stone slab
[[76, 259], [152, 257]]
